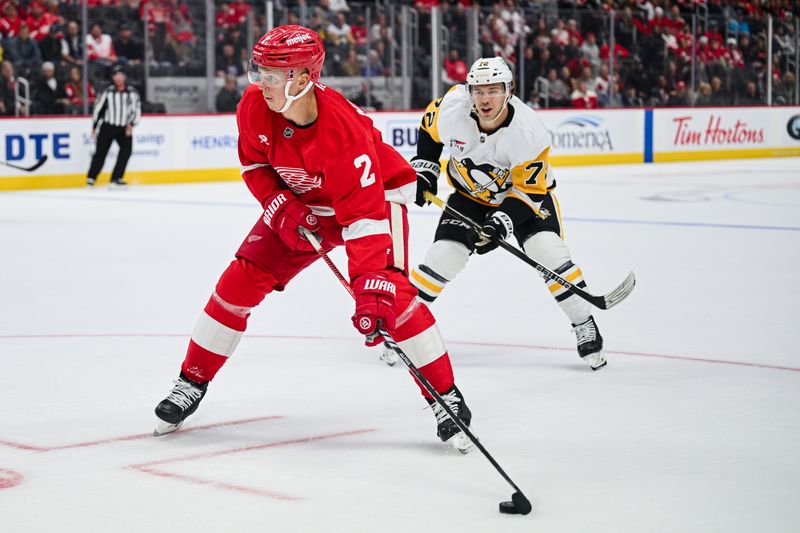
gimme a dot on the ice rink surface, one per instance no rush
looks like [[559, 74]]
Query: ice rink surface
[[693, 426]]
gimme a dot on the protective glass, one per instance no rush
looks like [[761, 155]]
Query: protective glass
[[270, 77]]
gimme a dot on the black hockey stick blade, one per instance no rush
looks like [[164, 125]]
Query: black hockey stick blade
[[36, 165]]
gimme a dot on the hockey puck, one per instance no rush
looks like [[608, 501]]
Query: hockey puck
[[508, 508]]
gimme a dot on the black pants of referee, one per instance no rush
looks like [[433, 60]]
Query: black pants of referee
[[107, 134]]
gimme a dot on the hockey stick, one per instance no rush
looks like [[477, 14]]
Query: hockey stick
[[520, 503], [26, 169], [603, 302]]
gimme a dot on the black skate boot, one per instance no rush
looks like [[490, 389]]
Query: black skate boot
[[590, 344], [181, 402], [446, 429]]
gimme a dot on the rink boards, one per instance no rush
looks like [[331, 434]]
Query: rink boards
[[196, 148]]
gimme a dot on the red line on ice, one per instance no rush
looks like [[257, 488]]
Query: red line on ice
[[148, 468], [139, 436], [463, 343], [9, 478]]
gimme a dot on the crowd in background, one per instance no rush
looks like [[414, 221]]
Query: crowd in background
[[560, 50]]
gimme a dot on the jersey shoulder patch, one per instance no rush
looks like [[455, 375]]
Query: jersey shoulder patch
[[452, 101]]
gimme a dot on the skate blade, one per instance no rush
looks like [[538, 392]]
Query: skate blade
[[461, 442], [596, 361], [165, 428], [389, 357]]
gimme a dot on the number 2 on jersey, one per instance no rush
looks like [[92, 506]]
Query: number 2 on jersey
[[367, 178]]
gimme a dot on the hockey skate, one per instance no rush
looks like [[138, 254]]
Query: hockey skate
[[388, 355], [590, 344], [447, 430], [181, 402]]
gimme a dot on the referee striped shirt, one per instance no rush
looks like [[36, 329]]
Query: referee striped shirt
[[117, 108]]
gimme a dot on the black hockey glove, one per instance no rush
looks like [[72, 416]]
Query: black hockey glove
[[427, 179], [497, 227]]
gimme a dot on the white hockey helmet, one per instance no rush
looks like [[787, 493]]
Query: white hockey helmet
[[488, 70]]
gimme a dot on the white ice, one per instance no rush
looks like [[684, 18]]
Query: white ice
[[694, 425]]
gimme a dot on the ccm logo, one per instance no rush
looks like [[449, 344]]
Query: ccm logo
[[381, 285]]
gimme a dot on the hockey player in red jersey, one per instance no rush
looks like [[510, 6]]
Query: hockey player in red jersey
[[313, 160]]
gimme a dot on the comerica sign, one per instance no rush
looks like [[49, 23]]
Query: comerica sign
[[581, 132]]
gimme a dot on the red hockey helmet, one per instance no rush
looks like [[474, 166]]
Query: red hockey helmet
[[291, 47]]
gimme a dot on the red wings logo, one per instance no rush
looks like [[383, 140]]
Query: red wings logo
[[298, 179]]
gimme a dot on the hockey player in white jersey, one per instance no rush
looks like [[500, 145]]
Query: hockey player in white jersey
[[500, 168]]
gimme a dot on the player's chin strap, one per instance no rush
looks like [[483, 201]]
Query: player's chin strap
[[518, 496], [289, 98]]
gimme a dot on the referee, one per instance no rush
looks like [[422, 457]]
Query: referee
[[116, 112]]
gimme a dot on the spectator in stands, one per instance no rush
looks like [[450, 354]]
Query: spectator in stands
[[339, 32], [127, 49], [703, 94], [534, 100], [373, 67], [351, 66], [8, 83], [72, 45], [678, 97], [359, 30], [172, 54], [39, 21], [783, 90], [336, 6], [602, 86], [24, 52], [99, 46], [50, 45], [74, 91], [10, 21], [361, 98], [583, 97], [719, 95], [239, 9], [228, 62], [591, 51], [750, 95], [455, 69], [228, 96], [559, 91], [49, 97], [130, 11], [659, 96], [631, 98], [376, 32]]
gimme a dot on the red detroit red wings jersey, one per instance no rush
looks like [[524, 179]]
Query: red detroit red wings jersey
[[338, 166]]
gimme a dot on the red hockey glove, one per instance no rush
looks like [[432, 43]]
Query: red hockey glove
[[285, 214], [374, 305]]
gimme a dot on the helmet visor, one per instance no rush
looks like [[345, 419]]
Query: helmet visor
[[271, 77]]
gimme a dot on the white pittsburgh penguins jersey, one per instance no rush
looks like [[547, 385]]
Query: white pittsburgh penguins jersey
[[513, 161]]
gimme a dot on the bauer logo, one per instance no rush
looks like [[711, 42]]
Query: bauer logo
[[582, 132], [793, 127]]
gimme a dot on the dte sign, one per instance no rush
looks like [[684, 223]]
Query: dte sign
[[18, 146]]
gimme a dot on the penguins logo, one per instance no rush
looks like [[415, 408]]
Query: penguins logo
[[484, 181]]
